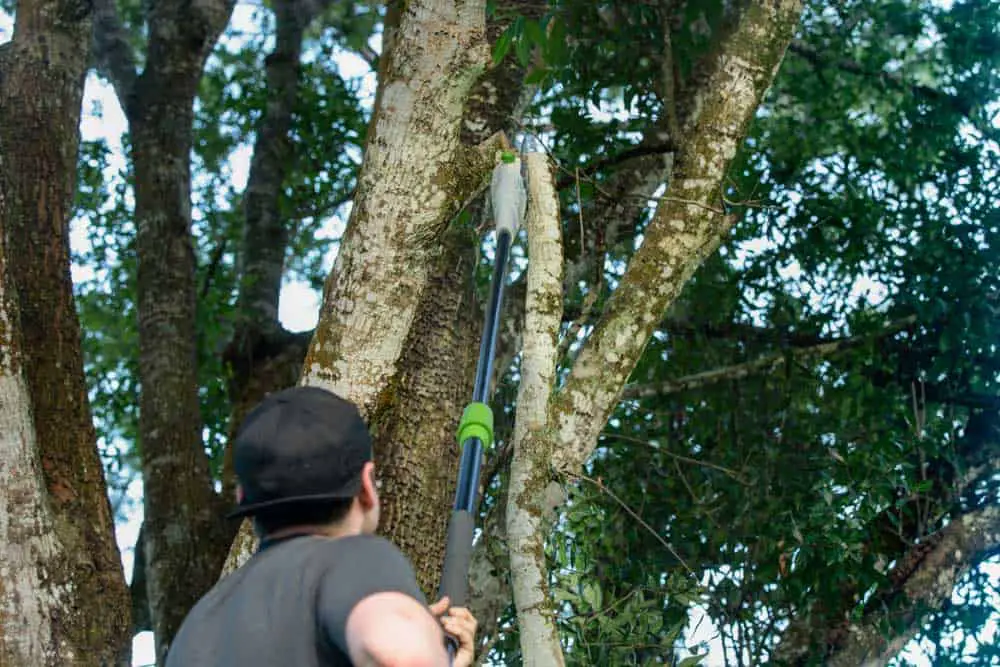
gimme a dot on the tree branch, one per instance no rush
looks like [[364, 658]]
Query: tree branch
[[681, 234], [528, 512], [956, 549], [265, 232], [112, 53], [765, 364], [642, 150]]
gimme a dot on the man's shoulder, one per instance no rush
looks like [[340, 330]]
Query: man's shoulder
[[373, 548]]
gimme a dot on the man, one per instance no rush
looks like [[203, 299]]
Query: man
[[322, 590]]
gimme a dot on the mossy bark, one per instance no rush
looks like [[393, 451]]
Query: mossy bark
[[63, 598], [417, 415], [689, 224], [408, 190]]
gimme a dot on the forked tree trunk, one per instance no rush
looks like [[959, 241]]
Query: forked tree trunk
[[63, 598]]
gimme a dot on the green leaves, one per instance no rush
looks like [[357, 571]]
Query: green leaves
[[540, 46]]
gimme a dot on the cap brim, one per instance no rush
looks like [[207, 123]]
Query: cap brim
[[250, 509]]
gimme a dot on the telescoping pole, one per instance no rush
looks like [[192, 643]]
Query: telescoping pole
[[475, 431]]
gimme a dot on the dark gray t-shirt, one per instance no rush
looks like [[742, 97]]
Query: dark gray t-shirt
[[287, 606]]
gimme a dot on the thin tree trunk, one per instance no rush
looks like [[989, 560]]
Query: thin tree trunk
[[528, 513], [63, 598], [265, 232], [185, 537], [262, 355]]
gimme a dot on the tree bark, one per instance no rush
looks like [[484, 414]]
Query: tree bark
[[529, 513], [63, 598], [410, 423], [413, 180], [185, 537], [30, 601], [414, 424]]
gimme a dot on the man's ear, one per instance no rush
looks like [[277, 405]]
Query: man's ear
[[369, 494], [239, 494]]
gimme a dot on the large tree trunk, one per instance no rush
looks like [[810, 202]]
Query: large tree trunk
[[63, 598], [185, 539], [430, 333], [414, 427], [414, 178]]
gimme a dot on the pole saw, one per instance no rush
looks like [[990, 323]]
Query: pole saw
[[475, 430]]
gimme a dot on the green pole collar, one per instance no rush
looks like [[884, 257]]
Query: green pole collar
[[508, 157], [477, 422]]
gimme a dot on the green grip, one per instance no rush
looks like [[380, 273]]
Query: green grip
[[508, 157], [477, 422]]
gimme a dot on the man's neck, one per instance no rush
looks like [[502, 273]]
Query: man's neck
[[329, 530]]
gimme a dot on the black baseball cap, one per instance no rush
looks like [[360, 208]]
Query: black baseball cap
[[300, 445]]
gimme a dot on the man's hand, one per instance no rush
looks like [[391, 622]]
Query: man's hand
[[460, 624]]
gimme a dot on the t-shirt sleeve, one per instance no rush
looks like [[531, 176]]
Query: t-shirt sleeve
[[361, 566]]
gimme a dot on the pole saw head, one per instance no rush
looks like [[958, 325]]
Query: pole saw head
[[507, 194]]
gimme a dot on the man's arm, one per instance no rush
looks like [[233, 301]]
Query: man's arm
[[394, 630]]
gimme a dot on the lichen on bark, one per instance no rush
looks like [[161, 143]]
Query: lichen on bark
[[528, 517], [405, 197]]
